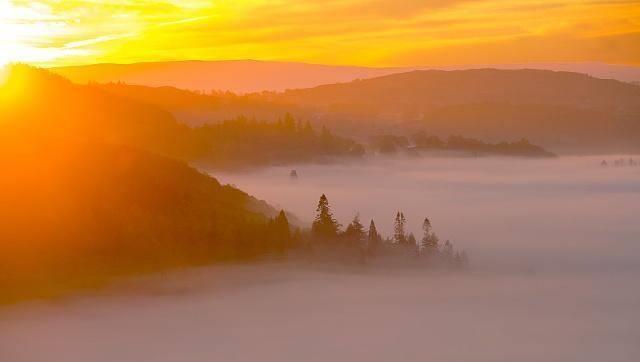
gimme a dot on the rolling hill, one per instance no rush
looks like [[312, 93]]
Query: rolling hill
[[250, 76], [89, 192], [562, 111], [239, 76], [559, 110]]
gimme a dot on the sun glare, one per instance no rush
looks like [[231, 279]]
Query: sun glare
[[4, 73], [24, 30]]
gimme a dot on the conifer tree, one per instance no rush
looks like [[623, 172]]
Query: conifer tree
[[429, 243], [373, 238], [399, 236], [355, 231], [278, 232], [324, 225]]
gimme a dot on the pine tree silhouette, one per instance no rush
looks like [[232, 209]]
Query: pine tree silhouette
[[399, 236], [429, 243], [324, 225]]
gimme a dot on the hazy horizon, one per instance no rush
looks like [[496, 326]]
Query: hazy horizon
[[278, 75]]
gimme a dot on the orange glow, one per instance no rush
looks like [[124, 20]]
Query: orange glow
[[358, 32]]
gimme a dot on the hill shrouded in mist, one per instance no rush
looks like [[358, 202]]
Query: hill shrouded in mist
[[566, 112], [41, 103], [240, 76], [247, 76], [555, 109], [90, 193]]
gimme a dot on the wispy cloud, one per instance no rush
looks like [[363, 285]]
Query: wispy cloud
[[372, 32]]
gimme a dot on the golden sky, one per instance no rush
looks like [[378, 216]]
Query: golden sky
[[356, 32]]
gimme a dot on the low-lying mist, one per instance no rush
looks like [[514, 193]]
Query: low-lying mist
[[539, 213], [555, 264]]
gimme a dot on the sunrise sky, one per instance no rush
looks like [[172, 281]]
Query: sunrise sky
[[356, 32]]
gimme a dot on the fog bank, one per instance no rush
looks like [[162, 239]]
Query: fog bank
[[554, 212], [555, 267]]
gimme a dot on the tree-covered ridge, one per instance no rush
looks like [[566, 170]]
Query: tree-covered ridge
[[36, 102], [244, 142], [421, 141], [76, 214]]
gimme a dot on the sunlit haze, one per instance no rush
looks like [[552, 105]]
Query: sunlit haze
[[308, 180], [356, 32]]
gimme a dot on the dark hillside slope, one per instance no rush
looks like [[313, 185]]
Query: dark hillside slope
[[38, 103], [85, 199]]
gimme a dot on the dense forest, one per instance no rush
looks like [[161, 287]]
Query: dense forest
[[421, 141], [243, 141]]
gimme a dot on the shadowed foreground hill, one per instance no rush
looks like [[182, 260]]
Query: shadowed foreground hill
[[84, 198]]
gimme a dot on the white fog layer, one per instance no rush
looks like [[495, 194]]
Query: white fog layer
[[554, 246]]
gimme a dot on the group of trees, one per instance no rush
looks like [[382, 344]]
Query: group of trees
[[327, 230], [620, 162], [244, 142], [389, 144]]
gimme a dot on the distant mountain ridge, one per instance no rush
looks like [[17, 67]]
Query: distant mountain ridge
[[248, 76], [239, 76], [561, 111]]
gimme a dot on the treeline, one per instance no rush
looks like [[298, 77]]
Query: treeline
[[243, 141], [77, 215], [326, 238], [389, 144]]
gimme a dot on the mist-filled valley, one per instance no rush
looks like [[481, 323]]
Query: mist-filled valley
[[345, 180], [553, 275]]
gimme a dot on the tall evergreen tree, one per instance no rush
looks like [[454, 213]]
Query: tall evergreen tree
[[373, 238], [355, 231], [429, 243], [399, 236], [324, 225], [279, 233]]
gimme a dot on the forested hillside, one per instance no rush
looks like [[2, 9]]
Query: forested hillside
[[91, 194], [561, 111]]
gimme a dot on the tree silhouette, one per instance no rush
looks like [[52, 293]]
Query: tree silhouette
[[324, 225], [399, 236], [429, 242], [373, 238], [355, 231]]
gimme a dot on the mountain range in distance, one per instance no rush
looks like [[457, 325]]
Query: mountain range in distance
[[248, 76], [565, 112]]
